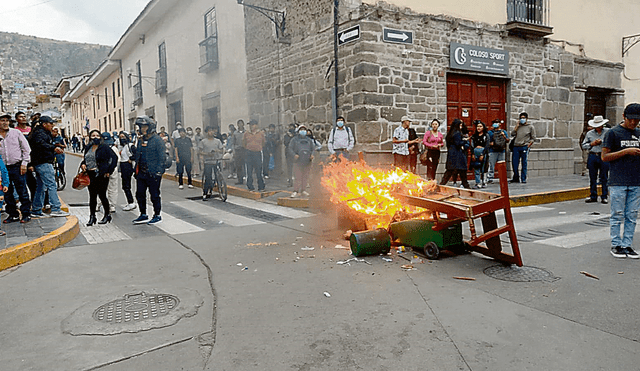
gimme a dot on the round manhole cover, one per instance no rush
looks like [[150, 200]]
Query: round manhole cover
[[135, 308], [514, 273]]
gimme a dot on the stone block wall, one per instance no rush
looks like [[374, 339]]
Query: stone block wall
[[381, 82]]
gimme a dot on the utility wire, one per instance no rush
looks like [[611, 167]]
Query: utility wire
[[25, 7]]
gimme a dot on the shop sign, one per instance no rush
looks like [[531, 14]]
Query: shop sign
[[478, 59]]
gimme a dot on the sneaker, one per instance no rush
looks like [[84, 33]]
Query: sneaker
[[235, 176], [181, 187], [190, 186], [477, 186], [38, 215], [155, 220], [604, 201], [524, 182], [129, 207], [46, 209], [266, 177], [514, 181], [11, 219], [591, 200], [490, 181], [204, 197], [294, 195], [143, 218], [26, 219], [230, 176], [305, 193], [619, 252], [631, 253], [59, 213], [484, 185]]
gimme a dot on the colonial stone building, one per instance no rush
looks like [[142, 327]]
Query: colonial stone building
[[500, 71]]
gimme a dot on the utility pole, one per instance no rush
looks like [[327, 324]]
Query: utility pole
[[336, 21]]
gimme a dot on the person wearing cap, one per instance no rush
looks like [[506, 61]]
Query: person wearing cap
[[401, 144], [253, 143], [498, 142], [43, 153], [150, 158], [593, 143], [621, 149], [16, 153], [301, 150], [524, 134], [112, 189]]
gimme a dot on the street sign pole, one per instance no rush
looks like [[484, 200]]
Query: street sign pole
[[336, 21]]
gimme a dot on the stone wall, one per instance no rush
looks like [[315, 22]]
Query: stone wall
[[380, 82]]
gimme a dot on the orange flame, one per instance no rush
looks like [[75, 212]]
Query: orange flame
[[370, 191]]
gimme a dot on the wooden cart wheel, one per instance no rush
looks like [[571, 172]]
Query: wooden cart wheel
[[431, 250]]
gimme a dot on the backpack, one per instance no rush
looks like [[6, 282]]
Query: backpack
[[499, 141], [349, 133]]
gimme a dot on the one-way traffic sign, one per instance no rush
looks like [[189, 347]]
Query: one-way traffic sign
[[350, 34], [390, 35]]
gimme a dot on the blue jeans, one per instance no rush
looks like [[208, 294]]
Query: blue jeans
[[17, 185], [595, 164], [625, 201], [45, 181], [494, 157], [520, 153]]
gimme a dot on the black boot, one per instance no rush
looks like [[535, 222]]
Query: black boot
[[106, 219], [92, 220]]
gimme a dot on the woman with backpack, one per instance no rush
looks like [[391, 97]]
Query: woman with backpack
[[457, 145], [480, 143], [498, 142]]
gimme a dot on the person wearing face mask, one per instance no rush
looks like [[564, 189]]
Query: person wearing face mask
[[523, 136], [127, 150], [99, 162], [288, 136], [301, 150], [183, 148], [341, 141], [112, 190], [150, 160]]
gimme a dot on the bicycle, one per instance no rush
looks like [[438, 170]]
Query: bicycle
[[61, 177], [218, 182]]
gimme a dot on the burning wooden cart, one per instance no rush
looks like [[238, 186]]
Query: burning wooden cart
[[451, 206]]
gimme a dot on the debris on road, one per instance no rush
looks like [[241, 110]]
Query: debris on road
[[341, 247], [620, 272], [254, 244], [389, 260], [307, 248], [245, 268], [239, 264], [270, 243], [348, 261], [590, 275], [327, 294], [407, 267], [464, 278], [347, 234], [401, 248]]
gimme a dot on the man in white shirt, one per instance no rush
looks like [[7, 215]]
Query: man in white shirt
[[401, 144], [340, 141]]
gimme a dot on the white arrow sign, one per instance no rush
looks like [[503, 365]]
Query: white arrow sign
[[348, 35], [399, 36]]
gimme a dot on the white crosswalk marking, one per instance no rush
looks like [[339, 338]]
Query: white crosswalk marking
[[97, 233], [217, 215], [555, 221], [172, 225], [572, 240], [270, 208]]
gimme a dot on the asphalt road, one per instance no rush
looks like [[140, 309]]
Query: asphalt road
[[252, 297]]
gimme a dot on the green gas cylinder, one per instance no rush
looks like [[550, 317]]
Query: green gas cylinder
[[372, 242]]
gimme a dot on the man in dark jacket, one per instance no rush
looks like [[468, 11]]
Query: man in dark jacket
[[43, 153], [150, 162], [301, 150]]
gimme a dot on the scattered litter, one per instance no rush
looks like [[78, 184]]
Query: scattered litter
[[293, 244], [407, 267], [347, 234], [239, 264], [401, 248], [562, 212], [341, 247], [464, 278], [220, 222], [307, 248], [416, 260], [620, 272], [389, 260], [245, 268], [298, 238], [254, 244], [302, 225], [327, 294], [348, 261], [277, 259], [590, 275], [270, 243], [594, 213]]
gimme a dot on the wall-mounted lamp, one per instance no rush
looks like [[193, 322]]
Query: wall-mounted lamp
[[279, 18]]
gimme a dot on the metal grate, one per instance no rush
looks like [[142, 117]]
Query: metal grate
[[136, 308], [514, 273]]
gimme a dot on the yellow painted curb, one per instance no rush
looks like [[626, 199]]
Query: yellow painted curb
[[549, 197], [30, 250]]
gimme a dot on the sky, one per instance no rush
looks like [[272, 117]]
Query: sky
[[86, 21]]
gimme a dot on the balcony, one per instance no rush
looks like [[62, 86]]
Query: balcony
[[137, 94], [161, 81], [528, 18], [208, 55]]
